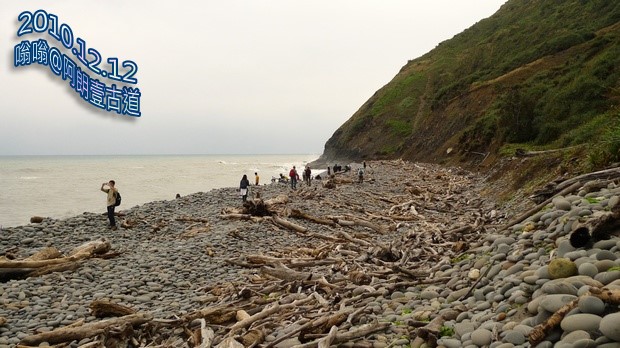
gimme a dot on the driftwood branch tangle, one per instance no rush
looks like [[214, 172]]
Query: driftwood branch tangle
[[541, 330], [68, 334], [520, 218], [602, 174]]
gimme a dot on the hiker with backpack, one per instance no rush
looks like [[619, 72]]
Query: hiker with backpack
[[113, 201], [294, 177]]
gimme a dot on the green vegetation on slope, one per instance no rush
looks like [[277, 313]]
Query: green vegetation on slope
[[541, 72]]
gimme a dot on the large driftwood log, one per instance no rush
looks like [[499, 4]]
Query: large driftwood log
[[273, 202], [68, 334], [256, 207], [67, 266], [601, 225], [84, 251], [296, 213], [289, 262], [526, 153], [45, 254], [287, 224], [91, 248], [282, 272], [215, 315], [353, 221], [103, 309]]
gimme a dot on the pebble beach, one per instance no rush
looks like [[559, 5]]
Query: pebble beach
[[490, 282]]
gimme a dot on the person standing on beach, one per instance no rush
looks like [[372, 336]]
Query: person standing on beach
[[243, 187], [307, 175], [294, 177], [256, 177], [111, 201]]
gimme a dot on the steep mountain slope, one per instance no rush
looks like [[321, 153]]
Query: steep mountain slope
[[545, 73]]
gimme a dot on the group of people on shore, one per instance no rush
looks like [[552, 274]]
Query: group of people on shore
[[293, 177], [114, 199]]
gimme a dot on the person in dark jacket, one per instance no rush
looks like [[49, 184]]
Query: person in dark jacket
[[243, 187], [307, 175]]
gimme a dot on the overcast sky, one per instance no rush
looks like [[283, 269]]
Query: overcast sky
[[219, 77]]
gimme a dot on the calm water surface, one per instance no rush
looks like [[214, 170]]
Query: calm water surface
[[64, 186]]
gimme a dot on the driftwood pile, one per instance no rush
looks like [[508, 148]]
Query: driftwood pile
[[51, 260], [364, 241]]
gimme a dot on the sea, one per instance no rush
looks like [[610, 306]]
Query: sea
[[66, 186]]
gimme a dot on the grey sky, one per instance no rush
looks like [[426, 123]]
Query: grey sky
[[219, 77]]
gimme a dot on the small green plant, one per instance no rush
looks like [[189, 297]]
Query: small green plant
[[460, 258], [614, 268], [446, 331], [592, 200], [406, 311]]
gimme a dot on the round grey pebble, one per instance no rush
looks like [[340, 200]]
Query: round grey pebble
[[585, 343], [462, 328], [581, 321], [552, 303], [561, 203], [481, 337], [564, 247], [514, 337], [605, 244], [505, 345], [606, 255], [559, 287], [429, 294], [587, 269], [613, 201], [483, 306], [571, 337], [450, 342], [397, 294], [610, 327], [607, 277], [604, 265], [591, 305]]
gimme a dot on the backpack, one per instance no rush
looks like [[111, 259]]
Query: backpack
[[118, 199]]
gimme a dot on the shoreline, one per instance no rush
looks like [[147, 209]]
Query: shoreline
[[412, 243], [53, 188]]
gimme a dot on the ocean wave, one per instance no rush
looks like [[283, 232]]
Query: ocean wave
[[29, 177]]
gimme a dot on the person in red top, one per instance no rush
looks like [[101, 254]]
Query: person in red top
[[294, 177]]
